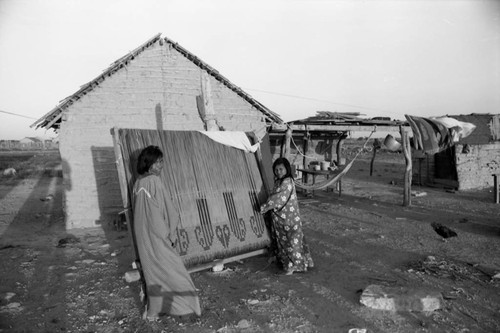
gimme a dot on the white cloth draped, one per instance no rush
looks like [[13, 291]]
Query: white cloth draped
[[237, 140], [458, 129]]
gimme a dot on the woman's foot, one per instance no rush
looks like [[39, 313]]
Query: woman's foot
[[150, 318], [187, 318]]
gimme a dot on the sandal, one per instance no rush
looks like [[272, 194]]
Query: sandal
[[151, 319]]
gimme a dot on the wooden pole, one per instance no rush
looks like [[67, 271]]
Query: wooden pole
[[333, 151], [376, 146], [340, 143], [285, 147], [122, 177], [408, 171], [226, 260], [305, 147], [159, 117], [496, 188], [208, 104]]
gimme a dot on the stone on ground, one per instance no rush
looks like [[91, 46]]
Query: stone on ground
[[401, 299]]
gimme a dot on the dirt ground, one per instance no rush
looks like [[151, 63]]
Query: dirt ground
[[55, 281]]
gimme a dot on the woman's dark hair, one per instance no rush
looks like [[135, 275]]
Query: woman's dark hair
[[147, 158], [284, 161]]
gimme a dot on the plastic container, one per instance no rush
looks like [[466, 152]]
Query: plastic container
[[391, 143]]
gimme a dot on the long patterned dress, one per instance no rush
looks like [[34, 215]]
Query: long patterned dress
[[291, 247], [170, 289]]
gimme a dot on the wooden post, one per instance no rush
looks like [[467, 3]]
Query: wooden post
[[122, 178], [305, 147], [496, 189], [285, 147], [376, 146], [120, 167], [340, 143], [159, 117], [333, 150], [208, 104], [408, 171]]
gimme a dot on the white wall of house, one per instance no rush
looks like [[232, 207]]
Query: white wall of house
[[159, 85]]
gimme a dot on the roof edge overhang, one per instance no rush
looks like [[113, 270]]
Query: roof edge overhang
[[52, 118], [274, 117]]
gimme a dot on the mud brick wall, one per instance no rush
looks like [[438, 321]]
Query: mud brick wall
[[157, 89], [475, 168]]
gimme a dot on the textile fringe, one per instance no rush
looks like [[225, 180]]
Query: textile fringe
[[200, 259]]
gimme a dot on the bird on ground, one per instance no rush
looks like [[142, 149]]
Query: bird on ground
[[443, 230]]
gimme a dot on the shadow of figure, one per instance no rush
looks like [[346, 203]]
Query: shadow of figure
[[114, 217], [32, 269]]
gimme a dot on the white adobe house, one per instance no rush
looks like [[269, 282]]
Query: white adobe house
[[159, 85]]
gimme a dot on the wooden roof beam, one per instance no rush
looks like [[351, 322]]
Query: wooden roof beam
[[339, 128]]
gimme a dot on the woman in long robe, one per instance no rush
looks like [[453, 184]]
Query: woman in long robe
[[292, 250], [170, 289]]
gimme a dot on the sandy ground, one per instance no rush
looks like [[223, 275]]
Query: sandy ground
[[363, 237]]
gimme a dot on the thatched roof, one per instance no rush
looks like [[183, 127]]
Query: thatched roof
[[52, 119]]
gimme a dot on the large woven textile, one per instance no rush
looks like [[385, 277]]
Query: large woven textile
[[216, 191]]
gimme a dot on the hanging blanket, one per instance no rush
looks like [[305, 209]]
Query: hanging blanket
[[429, 135]]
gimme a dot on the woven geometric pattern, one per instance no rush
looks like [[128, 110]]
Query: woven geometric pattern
[[216, 189]]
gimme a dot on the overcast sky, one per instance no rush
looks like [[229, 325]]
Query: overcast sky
[[378, 58]]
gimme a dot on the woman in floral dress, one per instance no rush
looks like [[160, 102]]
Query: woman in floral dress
[[291, 248]]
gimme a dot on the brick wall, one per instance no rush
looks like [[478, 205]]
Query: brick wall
[[475, 168], [157, 89]]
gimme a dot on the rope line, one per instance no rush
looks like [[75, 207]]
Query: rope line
[[298, 150]]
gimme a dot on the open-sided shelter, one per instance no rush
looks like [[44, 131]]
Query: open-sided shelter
[[320, 138], [160, 86]]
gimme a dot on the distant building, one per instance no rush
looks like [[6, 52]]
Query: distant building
[[9, 144], [35, 143], [31, 143]]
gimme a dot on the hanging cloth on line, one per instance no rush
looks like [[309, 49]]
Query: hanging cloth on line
[[334, 180]]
